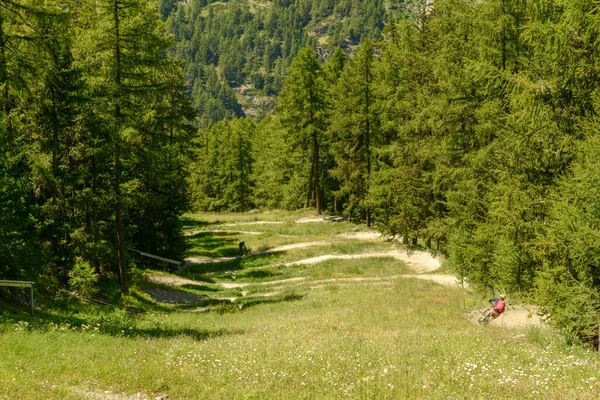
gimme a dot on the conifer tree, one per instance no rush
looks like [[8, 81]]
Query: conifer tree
[[354, 129], [122, 50], [303, 109]]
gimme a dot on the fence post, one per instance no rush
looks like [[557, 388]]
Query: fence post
[[31, 299]]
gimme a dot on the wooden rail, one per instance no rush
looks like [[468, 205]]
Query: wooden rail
[[178, 263], [22, 284]]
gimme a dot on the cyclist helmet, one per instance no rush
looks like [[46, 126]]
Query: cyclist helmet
[[502, 296]]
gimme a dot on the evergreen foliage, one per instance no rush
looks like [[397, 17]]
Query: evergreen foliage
[[253, 43], [465, 126], [94, 137], [221, 173], [354, 130], [304, 111]]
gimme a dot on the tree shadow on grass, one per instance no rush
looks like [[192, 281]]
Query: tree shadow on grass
[[110, 325], [213, 244], [199, 271], [258, 274], [187, 222], [209, 303], [201, 288], [247, 302]]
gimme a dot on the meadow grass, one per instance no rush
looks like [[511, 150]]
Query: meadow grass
[[338, 329], [398, 339]]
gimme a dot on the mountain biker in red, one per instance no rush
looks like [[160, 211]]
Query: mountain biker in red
[[498, 306]]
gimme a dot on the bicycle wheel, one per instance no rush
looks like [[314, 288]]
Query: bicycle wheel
[[485, 318]]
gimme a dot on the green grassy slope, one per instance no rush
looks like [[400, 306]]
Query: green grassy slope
[[391, 338]]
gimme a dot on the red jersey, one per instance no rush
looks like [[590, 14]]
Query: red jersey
[[499, 306]]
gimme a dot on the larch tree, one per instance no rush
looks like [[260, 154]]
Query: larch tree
[[303, 111], [121, 49], [355, 130]]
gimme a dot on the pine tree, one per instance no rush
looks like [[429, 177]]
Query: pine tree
[[354, 129], [122, 53], [303, 110]]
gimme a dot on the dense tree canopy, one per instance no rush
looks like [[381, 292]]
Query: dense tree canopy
[[94, 131], [249, 45]]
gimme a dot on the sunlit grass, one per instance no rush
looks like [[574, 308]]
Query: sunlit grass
[[407, 339], [336, 329]]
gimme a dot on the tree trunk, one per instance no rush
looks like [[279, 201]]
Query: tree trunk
[[316, 173], [368, 134], [309, 190], [119, 222], [117, 161]]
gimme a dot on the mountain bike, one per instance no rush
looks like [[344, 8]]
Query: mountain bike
[[486, 316]]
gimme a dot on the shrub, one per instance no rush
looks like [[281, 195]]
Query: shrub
[[83, 278]]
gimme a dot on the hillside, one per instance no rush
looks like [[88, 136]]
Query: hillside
[[282, 328], [236, 53]]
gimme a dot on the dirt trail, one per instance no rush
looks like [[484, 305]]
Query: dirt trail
[[445, 280], [319, 218], [198, 260], [420, 261], [513, 317], [192, 233], [173, 280], [255, 223], [368, 236]]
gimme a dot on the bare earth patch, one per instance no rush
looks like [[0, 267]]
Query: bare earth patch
[[512, 317], [255, 223], [197, 260], [192, 233], [242, 285], [173, 280], [368, 236], [420, 261], [294, 246], [310, 219], [319, 218]]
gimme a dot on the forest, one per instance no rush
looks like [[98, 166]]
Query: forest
[[245, 47], [95, 128], [467, 127]]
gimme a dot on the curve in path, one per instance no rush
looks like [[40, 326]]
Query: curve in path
[[420, 261], [192, 233], [513, 317], [197, 260]]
